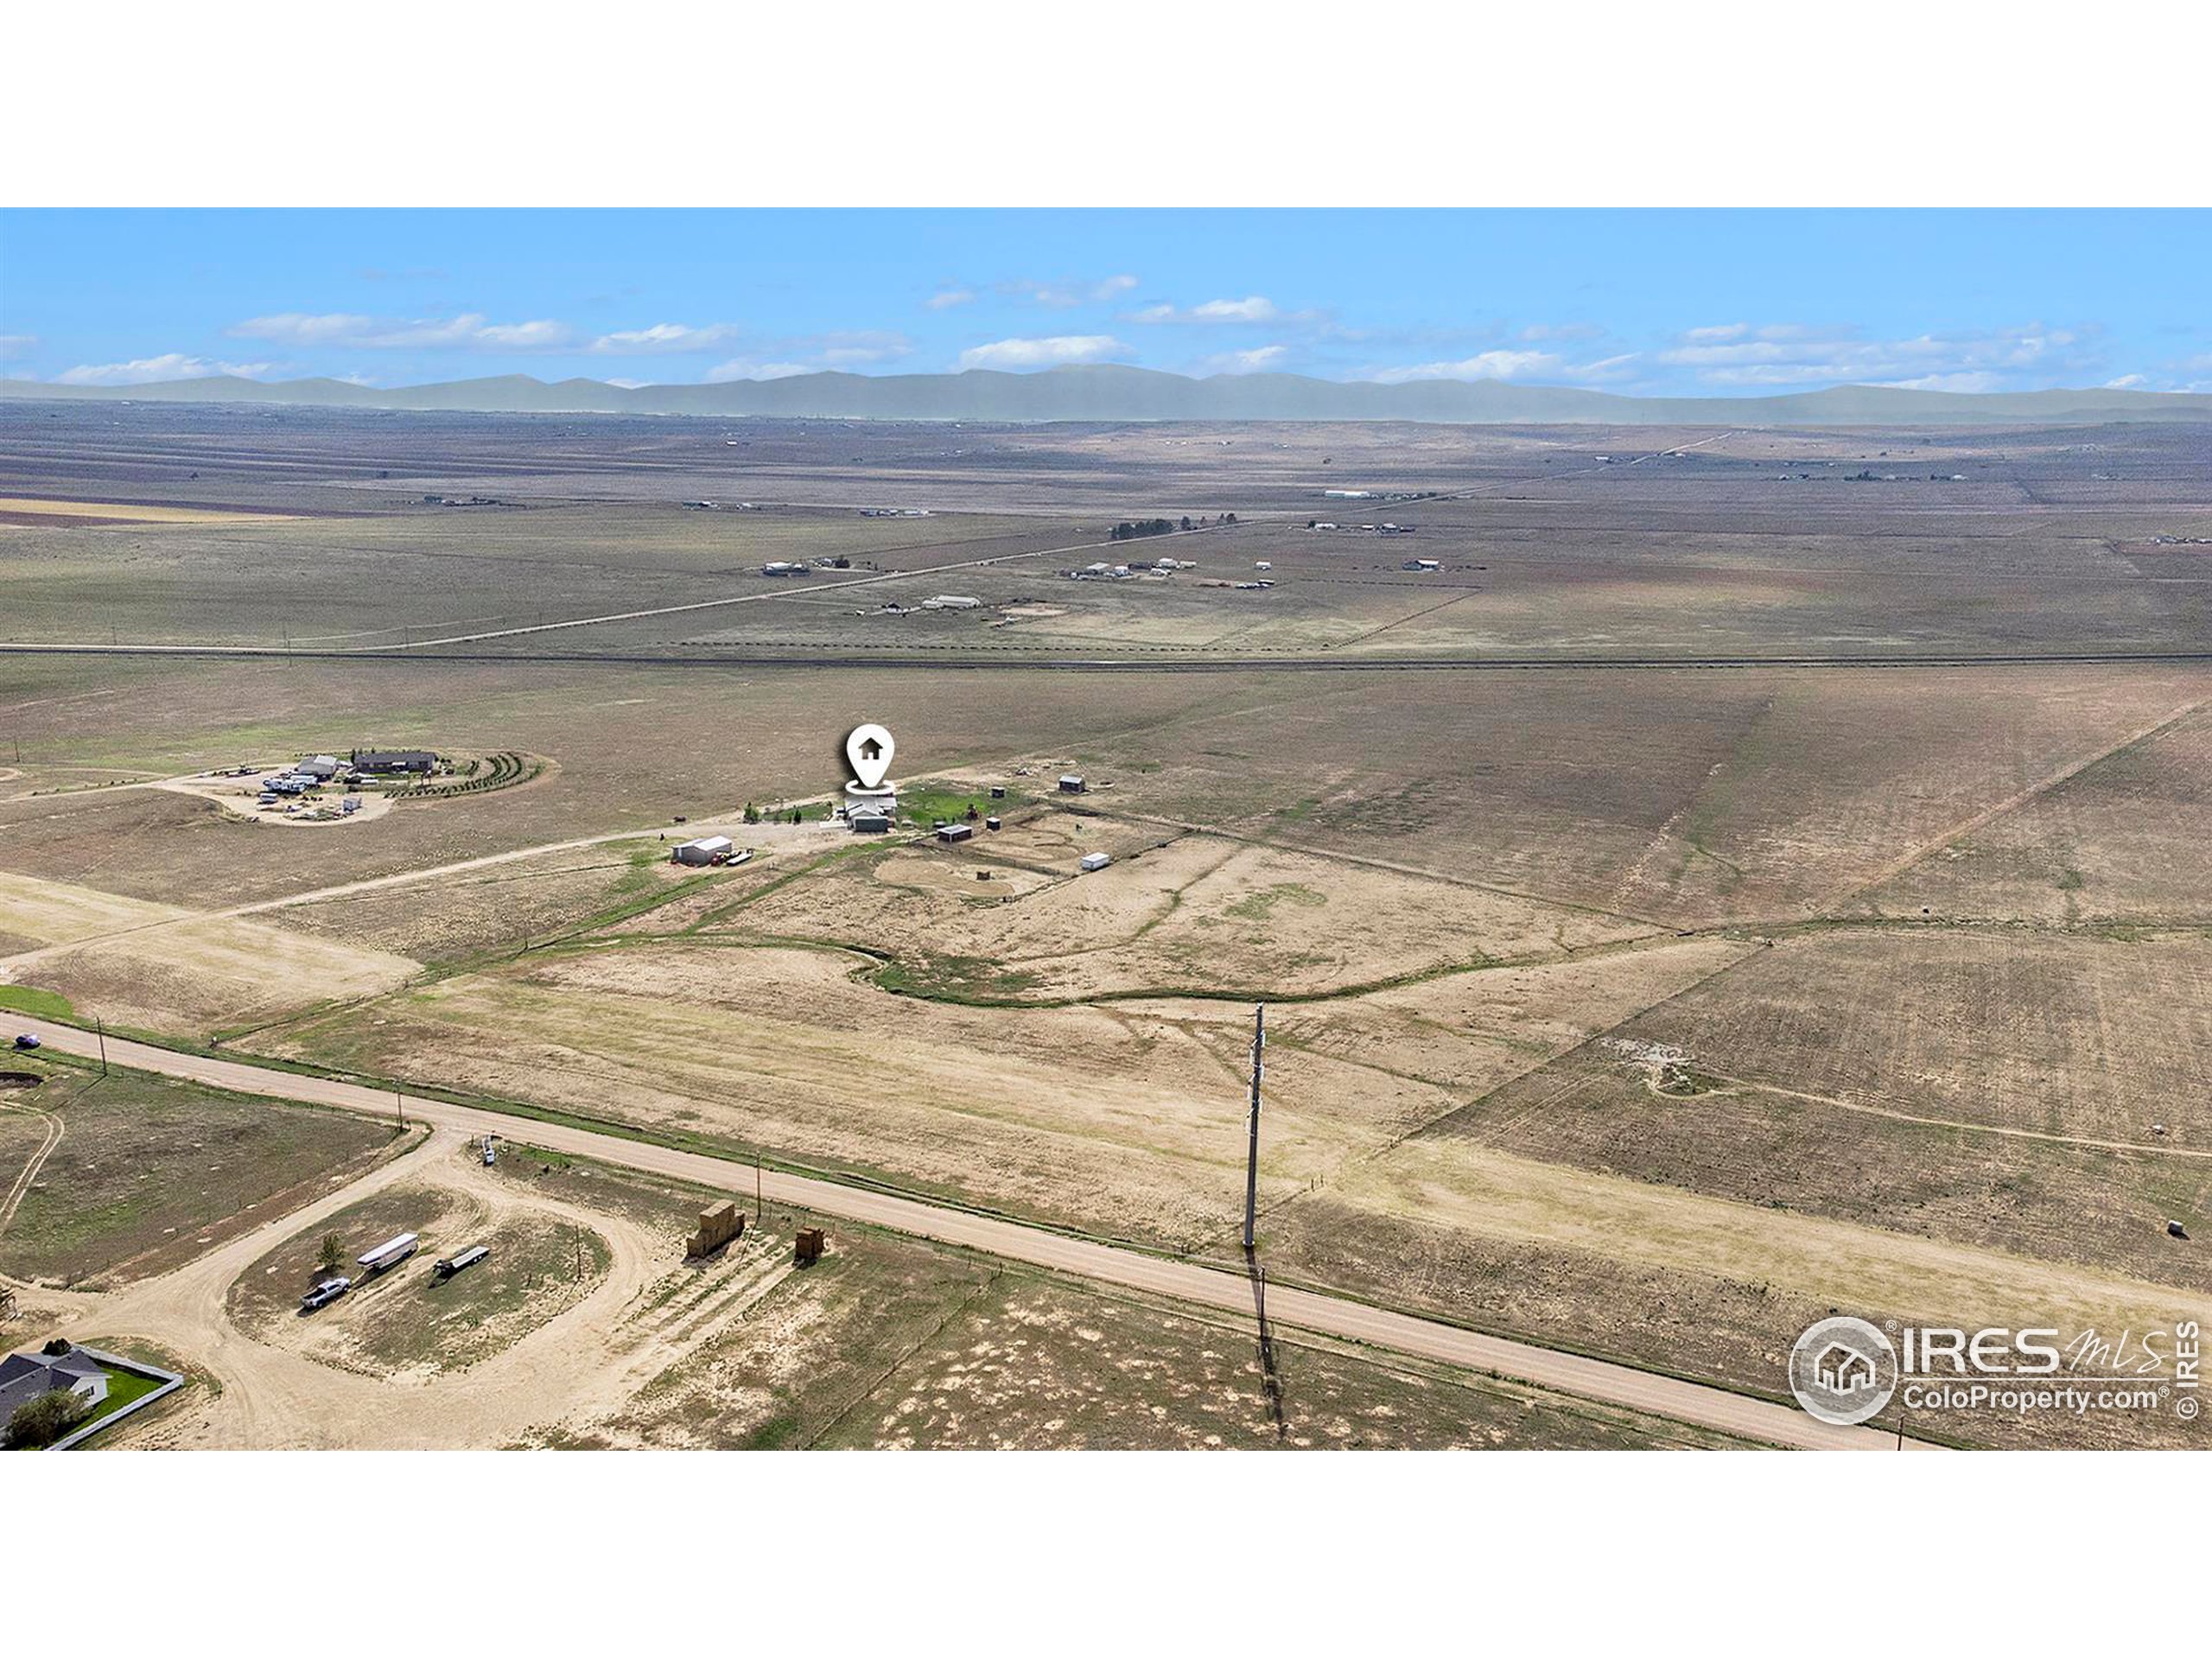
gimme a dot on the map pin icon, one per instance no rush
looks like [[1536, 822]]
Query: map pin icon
[[870, 748]]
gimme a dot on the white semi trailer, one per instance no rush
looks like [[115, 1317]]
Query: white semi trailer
[[388, 1254]]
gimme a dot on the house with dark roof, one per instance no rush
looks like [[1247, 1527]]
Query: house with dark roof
[[24, 1378], [420, 761]]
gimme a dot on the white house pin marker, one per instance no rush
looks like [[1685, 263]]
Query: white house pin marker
[[871, 800], [870, 748]]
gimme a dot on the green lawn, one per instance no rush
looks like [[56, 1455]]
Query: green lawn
[[25, 999]]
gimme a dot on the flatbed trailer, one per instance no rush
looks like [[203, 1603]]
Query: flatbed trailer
[[447, 1266]]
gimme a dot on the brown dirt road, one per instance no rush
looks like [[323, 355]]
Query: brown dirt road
[[1619, 1385]]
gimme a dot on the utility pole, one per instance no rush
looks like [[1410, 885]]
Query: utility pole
[[759, 1215], [400, 1101], [1252, 1157], [100, 1026]]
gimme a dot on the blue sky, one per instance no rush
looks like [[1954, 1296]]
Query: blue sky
[[1643, 300]]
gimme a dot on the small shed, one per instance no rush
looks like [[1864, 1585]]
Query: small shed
[[708, 849], [955, 832], [1071, 783]]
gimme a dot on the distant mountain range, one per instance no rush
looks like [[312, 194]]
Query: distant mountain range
[[1113, 393]]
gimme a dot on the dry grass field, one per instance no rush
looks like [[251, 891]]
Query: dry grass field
[[1650, 1010], [148, 1172], [894, 1343], [170, 968]]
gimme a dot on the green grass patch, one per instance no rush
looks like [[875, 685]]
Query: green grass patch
[[1255, 907], [924, 803], [27, 999], [955, 979]]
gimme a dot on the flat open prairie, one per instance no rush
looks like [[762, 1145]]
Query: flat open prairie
[[1756, 874]]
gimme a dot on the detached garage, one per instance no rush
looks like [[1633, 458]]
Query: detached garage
[[708, 849]]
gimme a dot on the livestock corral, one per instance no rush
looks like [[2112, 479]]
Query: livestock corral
[[1721, 892]]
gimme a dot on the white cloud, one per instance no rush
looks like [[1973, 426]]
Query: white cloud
[[470, 330], [1043, 353], [945, 299], [1964, 380], [1252, 362], [1505, 363], [2127, 382], [1060, 295], [1255, 308], [1602, 369], [812, 355], [856, 346], [1797, 354], [1483, 365], [146, 370], [525, 336], [745, 368], [666, 337]]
